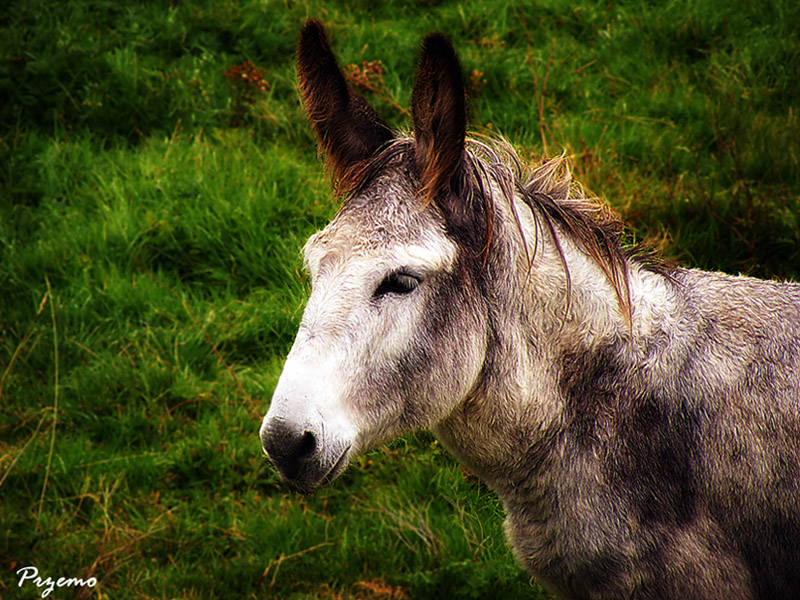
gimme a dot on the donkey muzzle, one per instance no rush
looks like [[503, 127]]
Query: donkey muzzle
[[301, 454]]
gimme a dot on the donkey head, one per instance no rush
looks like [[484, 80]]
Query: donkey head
[[392, 338]]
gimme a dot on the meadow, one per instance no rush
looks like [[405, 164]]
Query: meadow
[[158, 179]]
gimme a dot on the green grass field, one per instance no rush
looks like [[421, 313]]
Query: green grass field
[[152, 209]]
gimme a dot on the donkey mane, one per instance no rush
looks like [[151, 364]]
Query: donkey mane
[[558, 203]]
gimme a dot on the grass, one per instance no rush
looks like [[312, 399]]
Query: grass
[[152, 209]]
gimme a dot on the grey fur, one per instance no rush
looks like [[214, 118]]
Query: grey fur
[[641, 425]]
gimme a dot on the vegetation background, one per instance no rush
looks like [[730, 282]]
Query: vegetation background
[[157, 181]]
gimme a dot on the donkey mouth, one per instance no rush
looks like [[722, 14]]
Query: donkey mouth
[[308, 481], [337, 467]]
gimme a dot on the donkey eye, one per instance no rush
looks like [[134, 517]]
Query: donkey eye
[[397, 283]]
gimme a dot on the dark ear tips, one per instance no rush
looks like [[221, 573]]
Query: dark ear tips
[[312, 28], [314, 54], [436, 45]]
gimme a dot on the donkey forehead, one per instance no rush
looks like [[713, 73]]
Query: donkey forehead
[[387, 224]]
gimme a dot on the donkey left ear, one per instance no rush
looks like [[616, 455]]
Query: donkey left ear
[[439, 111], [348, 129]]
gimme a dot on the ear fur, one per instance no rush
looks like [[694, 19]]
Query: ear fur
[[348, 129], [439, 111], [438, 108]]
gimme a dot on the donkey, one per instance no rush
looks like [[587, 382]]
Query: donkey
[[640, 422]]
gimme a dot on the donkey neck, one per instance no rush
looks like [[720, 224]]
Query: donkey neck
[[546, 305]]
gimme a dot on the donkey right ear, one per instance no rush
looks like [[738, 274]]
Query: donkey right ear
[[438, 106], [348, 129]]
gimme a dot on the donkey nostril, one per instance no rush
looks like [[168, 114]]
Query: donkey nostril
[[293, 449], [307, 445]]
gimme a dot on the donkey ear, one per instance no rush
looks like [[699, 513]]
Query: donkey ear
[[439, 112], [348, 129]]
